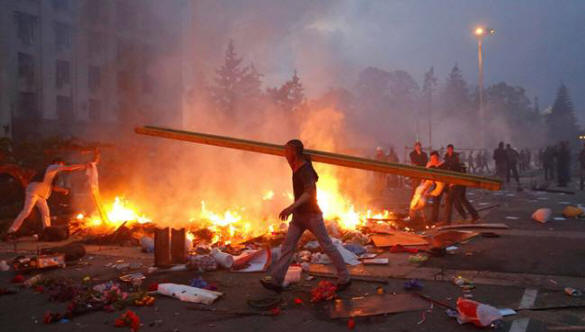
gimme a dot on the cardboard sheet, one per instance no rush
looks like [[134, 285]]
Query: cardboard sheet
[[398, 238], [376, 305]]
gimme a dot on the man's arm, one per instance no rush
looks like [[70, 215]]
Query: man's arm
[[72, 168], [309, 192]]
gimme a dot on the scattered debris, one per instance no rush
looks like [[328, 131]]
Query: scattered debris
[[188, 294], [413, 284], [375, 261], [479, 314], [418, 258], [375, 305], [398, 238], [324, 291], [4, 266], [128, 319], [224, 260], [572, 212], [573, 292], [474, 226], [542, 215], [28, 264]]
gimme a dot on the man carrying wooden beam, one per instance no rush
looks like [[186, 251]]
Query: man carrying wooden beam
[[306, 215]]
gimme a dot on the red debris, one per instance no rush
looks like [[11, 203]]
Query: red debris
[[400, 248], [351, 324], [324, 291], [275, 311], [298, 301], [19, 278], [128, 319], [153, 287]]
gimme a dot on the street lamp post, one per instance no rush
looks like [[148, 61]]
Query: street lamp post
[[480, 33]]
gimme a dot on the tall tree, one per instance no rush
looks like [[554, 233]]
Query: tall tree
[[455, 95], [227, 87], [561, 122], [290, 96], [250, 86]]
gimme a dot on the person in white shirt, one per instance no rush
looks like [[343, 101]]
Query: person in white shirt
[[94, 187], [37, 193]]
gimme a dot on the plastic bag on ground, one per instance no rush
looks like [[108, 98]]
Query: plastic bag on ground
[[348, 256], [542, 215], [188, 294], [479, 314], [224, 260], [572, 212]]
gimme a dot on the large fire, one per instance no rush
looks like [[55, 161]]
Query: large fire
[[241, 217], [235, 225]]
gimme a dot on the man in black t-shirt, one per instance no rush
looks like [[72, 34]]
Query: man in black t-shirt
[[306, 215], [418, 158], [501, 159]]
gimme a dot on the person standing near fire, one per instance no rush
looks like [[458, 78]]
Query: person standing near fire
[[501, 160], [417, 158], [39, 191], [456, 194], [380, 178], [93, 180], [437, 192], [306, 215], [512, 157]]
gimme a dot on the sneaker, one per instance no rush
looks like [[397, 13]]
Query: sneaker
[[268, 283]]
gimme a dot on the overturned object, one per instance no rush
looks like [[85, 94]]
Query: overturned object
[[188, 294], [572, 212], [72, 251], [479, 314], [542, 215]]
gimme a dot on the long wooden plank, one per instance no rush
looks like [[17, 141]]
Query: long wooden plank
[[326, 157]]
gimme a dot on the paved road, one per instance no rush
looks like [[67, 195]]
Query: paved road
[[526, 267]]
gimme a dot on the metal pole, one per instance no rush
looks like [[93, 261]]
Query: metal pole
[[480, 78], [326, 157], [430, 109]]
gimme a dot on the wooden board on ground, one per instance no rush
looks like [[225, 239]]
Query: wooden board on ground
[[376, 305], [444, 239], [398, 238], [473, 226], [357, 272]]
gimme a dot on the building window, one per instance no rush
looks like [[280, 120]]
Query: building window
[[26, 25], [124, 81], [62, 73], [96, 11], [64, 108], [96, 43], [63, 36], [27, 105], [26, 67], [126, 16], [60, 4], [94, 110], [94, 78], [125, 52]]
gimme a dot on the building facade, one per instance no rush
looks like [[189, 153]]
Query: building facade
[[89, 68]]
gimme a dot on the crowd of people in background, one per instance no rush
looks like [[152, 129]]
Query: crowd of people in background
[[509, 164]]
